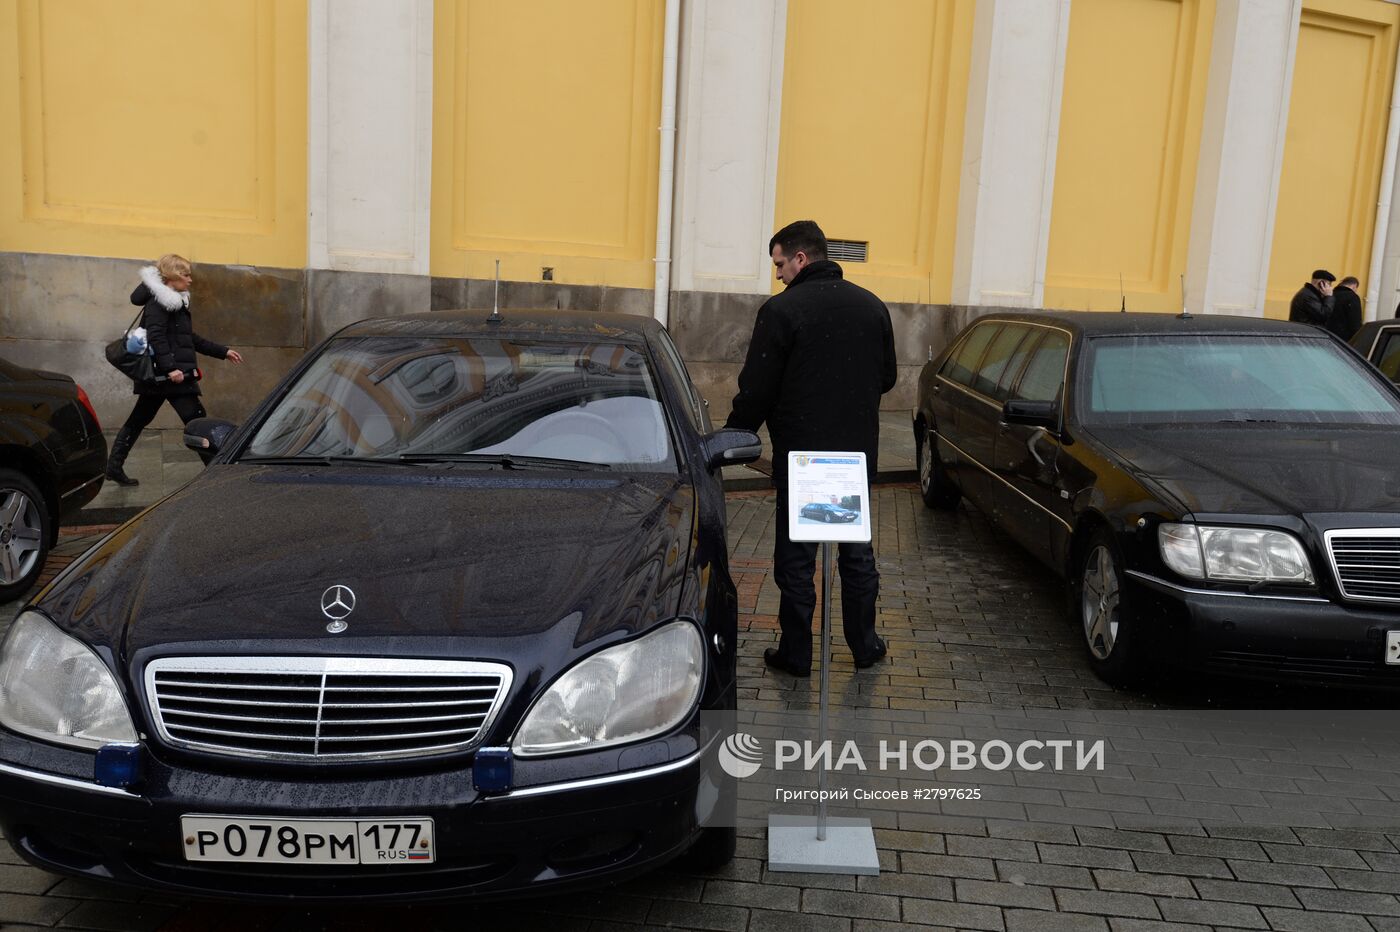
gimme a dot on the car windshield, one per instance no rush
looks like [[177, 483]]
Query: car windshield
[[1157, 379], [492, 401]]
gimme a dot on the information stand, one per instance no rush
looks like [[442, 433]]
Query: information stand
[[828, 503]]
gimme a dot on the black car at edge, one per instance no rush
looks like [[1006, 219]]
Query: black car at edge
[[443, 618], [52, 456], [1218, 492]]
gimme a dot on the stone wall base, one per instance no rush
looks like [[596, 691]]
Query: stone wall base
[[58, 312]]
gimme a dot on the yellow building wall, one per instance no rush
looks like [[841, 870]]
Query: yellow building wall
[[874, 97], [545, 140], [1342, 76], [143, 127], [1125, 169]]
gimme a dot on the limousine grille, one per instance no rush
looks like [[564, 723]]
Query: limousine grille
[[1367, 563], [318, 708]]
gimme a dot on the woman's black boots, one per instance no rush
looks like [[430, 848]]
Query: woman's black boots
[[121, 446]]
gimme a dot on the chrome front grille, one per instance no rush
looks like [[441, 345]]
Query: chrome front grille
[[324, 708], [1367, 563]]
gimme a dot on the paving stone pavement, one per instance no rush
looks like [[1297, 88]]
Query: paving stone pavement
[[973, 624]]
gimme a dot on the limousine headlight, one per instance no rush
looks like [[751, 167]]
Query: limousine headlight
[[619, 695], [1233, 554], [53, 687]]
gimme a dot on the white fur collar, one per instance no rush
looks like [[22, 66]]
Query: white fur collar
[[169, 298]]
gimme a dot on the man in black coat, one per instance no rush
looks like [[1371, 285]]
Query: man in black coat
[[821, 355], [1313, 302], [1346, 309]]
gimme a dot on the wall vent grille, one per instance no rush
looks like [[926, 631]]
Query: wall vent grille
[[847, 250]]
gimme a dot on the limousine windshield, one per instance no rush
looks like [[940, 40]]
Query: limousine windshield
[[1158, 379]]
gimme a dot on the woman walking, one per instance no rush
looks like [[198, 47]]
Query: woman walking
[[165, 293]]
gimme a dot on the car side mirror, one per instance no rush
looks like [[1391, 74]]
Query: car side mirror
[[730, 447], [1032, 414], [208, 435]]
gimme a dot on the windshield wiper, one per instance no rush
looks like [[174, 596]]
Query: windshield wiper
[[319, 460], [504, 460]]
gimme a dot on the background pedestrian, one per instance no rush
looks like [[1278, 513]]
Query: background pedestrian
[[1346, 309], [1313, 302], [165, 293]]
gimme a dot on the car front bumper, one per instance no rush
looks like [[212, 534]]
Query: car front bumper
[[1302, 637], [541, 839]]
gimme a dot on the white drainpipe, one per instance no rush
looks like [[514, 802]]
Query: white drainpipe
[[666, 179], [1378, 243]]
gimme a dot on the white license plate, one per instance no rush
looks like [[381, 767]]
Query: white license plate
[[307, 841], [1392, 647]]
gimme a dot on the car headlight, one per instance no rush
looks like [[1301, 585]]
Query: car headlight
[[1233, 554], [622, 694], [53, 687]]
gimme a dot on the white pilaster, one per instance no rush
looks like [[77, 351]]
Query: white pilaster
[[1241, 157], [1383, 297], [731, 94], [370, 148], [1010, 140]]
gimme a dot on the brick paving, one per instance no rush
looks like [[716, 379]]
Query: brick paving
[[973, 624]]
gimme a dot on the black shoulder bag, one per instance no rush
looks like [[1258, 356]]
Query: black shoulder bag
[[139, 367]]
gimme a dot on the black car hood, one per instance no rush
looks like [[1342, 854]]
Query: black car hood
[[1262, 469], [244, 554]]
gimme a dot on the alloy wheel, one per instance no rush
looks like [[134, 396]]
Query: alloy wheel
[[1099, 602], [21, 536]]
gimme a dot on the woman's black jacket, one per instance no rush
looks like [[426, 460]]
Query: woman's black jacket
[[170, 332]]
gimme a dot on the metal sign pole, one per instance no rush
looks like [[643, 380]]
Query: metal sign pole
[[825, 685], [825, 844]]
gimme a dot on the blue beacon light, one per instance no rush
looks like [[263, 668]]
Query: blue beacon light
[[118, 765]]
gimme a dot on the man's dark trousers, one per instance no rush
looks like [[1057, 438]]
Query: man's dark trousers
[[793, 565]]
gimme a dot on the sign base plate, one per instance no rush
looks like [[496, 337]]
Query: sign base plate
[[849, 847]]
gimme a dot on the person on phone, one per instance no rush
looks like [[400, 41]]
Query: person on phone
[[1313, 302], [164, 293]]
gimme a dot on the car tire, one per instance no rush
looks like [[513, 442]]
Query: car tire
[[936, 488], [712, 850], [1100, 615], [23, 515]]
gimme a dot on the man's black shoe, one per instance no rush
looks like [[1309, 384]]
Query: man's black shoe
[[778, 662], [874, 658]]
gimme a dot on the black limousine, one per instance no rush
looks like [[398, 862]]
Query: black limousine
[[439, 620], [1218, 492]]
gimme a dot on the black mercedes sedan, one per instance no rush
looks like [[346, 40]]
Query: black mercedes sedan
[[52, 456], [1218, 492], [828, 513], [443, 618]]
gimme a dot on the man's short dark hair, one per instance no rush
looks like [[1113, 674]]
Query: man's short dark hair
[[1351, 281], [800, 236], [1317, 275]]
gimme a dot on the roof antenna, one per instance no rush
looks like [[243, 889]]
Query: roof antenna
[[1185, 314], [495, 317], [1122, 296]]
